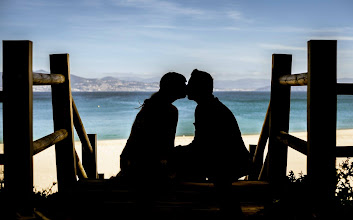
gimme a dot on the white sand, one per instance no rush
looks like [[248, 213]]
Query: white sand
[[109, 152]]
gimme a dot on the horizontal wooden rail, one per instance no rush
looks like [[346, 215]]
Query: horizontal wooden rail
[[81, 132], [47, 79], [2, 159], [300, 79], [293, 142], [344, 89], [81, 170], [49, 140], [344, 151]]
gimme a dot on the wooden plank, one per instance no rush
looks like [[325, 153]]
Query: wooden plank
[[263, 173], [47, 79], [322, 107], [344, 89], [80, 129], [344, 151], [89, 160], [63, 119], [81, 173], [252, 149], [261, 144], [240, 183], [293, 142], [89, 153], [49, 140], [17, 120], [300, 79], [279, 118]]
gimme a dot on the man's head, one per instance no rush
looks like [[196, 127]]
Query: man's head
[[200, 85], [173, 85]]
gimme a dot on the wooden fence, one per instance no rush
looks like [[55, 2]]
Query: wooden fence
[[320, 147], [19, 147]]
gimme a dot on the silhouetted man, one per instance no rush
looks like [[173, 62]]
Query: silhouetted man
[[217, 151]]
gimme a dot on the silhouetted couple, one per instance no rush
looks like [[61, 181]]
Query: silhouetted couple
[[217, 152]]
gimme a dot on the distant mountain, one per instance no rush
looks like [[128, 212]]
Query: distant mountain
[[81, 84], [109, 83]]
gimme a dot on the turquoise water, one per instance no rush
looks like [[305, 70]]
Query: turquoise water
[[111, 114]]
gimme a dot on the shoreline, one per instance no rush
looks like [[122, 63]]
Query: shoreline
[[108, 152]]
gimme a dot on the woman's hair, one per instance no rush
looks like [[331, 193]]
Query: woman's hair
[[170, 80], [168, 83]]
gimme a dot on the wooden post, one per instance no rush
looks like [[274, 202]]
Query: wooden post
[[252, 149], [89, 160], [322, 107], [279, 118], [17, 121], [258, 157], [62, 115]]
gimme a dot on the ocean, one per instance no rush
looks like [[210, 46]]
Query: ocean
[[110, 114]]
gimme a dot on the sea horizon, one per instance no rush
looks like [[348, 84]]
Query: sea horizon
[[110, 115]]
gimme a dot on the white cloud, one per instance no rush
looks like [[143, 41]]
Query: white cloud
[[238, 16], [161, 6]]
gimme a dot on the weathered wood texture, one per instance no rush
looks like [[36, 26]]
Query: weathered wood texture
[[300, 79], [344, 89], [63, 119], [322, 107], [293, 142], [49, 140], [279, 118], [17, 120], [47, 79], [258, 156]]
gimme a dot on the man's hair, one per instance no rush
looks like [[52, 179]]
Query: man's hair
[[169, 80], [203, 80]]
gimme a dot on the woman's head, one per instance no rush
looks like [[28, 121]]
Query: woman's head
[[173, 85]]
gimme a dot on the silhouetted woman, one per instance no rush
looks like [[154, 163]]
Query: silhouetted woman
[[147, 151]]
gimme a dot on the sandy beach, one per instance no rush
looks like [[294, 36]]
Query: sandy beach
[[109, 151]]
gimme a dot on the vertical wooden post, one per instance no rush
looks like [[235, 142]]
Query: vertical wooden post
[[279, 118], [62, 115], [17, 120], [322, 107], [89, 160]]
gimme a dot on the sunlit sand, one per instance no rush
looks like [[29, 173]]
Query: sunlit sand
[[109, 152]]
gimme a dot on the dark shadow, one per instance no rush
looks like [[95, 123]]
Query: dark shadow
[[217, 153]]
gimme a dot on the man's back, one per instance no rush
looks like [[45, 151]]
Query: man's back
[[218, 140]]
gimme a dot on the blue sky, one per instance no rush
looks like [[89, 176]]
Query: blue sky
[[145, 38]]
